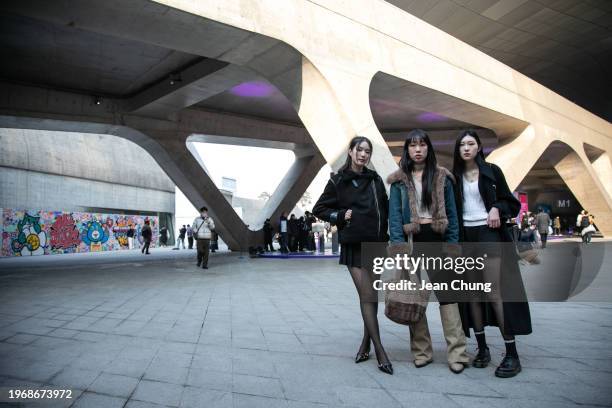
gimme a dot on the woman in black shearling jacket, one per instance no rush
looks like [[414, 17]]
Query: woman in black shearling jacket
[[356, 201]]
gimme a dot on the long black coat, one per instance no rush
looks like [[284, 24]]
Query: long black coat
[[495, 192], [365, 195]]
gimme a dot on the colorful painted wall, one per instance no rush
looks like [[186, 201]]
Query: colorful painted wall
[[38, 232]]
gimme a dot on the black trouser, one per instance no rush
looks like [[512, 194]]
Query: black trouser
[[426, 234], [544, 238], [268, 243], [283, 242], [203, 246], [145, 247], [190, 240]]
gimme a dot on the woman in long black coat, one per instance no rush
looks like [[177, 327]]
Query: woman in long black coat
[[484, 204], [355, 200]]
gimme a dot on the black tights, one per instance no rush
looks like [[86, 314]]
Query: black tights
[[368, 302], [492, 273]]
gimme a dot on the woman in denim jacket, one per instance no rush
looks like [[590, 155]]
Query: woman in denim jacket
[[422, 209]]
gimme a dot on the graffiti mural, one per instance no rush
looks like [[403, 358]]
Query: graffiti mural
[[64, 233], [38, 232], [31, 239]]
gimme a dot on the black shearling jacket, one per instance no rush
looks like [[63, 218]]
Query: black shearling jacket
[[365, 195]]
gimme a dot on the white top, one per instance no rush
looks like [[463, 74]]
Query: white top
[[283, 226], [422, 211], [474, 210]]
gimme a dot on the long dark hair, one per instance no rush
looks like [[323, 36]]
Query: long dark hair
[[407, 164], [356, 141]]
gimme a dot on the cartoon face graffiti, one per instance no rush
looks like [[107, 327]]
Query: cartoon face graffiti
[[31, 240], [94, 234]]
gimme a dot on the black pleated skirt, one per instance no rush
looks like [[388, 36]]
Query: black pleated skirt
[[350, 255]]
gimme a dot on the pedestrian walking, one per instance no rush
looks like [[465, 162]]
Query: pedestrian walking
[[163, 236], [147, 235], [203, 227], [356, 201], [542, 224]]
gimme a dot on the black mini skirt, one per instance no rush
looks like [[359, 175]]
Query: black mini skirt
[[350, 255]]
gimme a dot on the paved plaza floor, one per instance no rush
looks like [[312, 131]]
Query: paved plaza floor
[[133, 331]]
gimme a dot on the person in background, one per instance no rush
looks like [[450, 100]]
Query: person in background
[[214, 242], [579, 220], [163, 236], [130, 236], [181, 237], [147, 234], [524, 220], [542, 223], [190, 236], [557, 226], [283, 233], [588, 227], [268, 234], [292, 232], [302, 234], [203, 226]]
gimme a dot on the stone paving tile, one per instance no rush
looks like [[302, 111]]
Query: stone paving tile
[[113, 384], [164, 373], [158, 393], [252, 385], [75, 378], [213, 380], [198, 397], [91, 400]]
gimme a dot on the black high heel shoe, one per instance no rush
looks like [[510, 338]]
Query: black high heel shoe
[[386, 368], [361, 357]]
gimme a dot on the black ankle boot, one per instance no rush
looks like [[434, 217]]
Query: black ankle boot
[[482, 359], [509, 367]]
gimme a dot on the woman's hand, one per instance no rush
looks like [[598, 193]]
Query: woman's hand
[[347, 215], [493, 220]]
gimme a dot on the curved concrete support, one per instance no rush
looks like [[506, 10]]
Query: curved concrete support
[[589, 191], [602, 166], [519, 156], [291, 188]]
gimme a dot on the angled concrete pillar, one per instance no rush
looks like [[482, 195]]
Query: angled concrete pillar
[[291, 188], [169, 148], [336, 110], [520, 155], [602, 166], [587, 189]]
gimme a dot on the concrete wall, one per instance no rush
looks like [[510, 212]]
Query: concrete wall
[[73, 172]]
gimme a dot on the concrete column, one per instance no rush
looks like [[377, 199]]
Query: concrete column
[[291, 188], [587, 189], [603, 168], [334, 109], [519, 156], [170, 150]]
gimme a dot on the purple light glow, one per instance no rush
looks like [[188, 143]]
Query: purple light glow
[[254, 89], [429, 117]]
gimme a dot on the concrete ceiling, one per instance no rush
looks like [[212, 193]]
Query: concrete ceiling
[[65, 57], [566, 45]]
